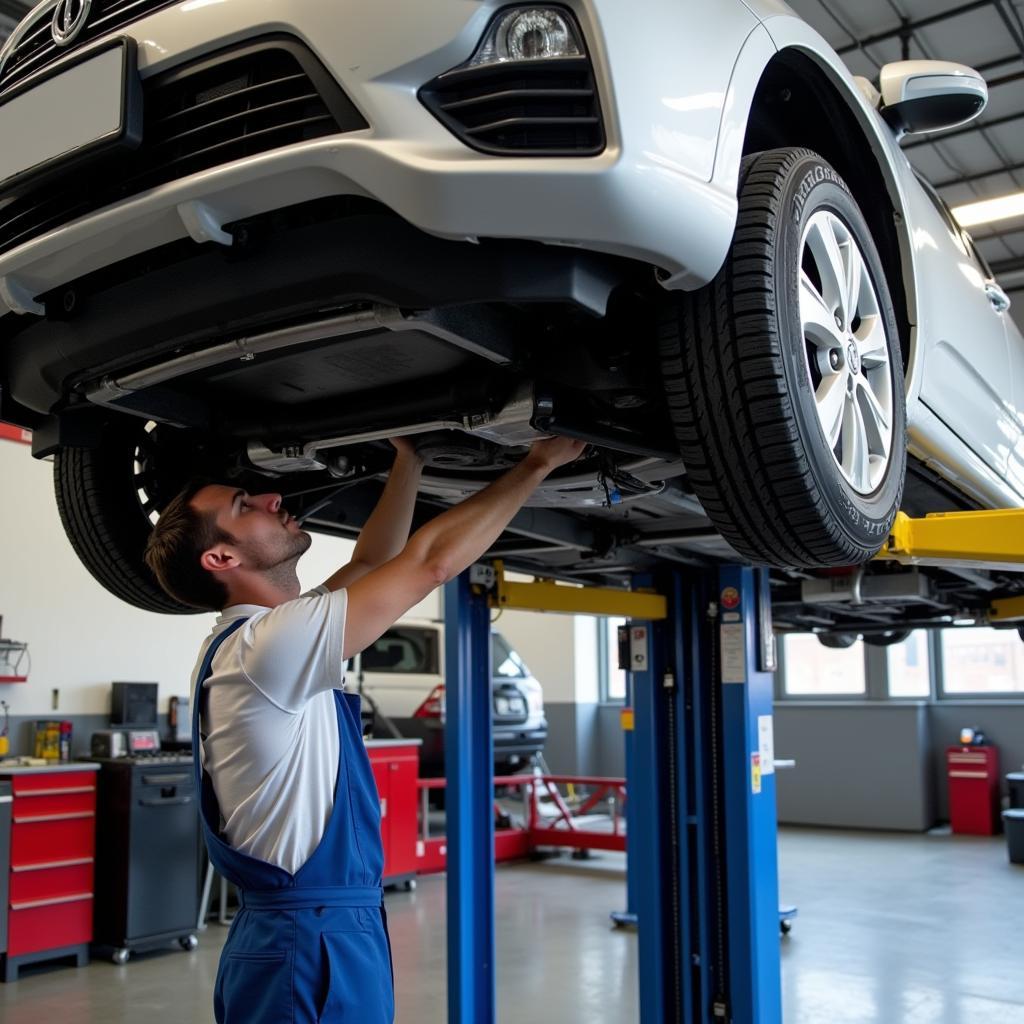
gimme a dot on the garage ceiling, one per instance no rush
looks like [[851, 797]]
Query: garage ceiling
[[980, 161], [985, 158]]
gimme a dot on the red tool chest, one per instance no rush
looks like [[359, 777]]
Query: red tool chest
[[53, 837], [973, 775], [396, 768]]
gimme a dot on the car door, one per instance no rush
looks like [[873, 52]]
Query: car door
[[1015, 349], [966, 380]]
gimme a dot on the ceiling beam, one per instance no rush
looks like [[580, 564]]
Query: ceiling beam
[[1016, 229], [994, 122], [963, 179], [913, 26], [1009, 266], [1012, 23]]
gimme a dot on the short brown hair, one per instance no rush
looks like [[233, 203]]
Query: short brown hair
[[176, 545]]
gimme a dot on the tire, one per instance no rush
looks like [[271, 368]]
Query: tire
[[743, 391], [889, 639], [106, 520], [838, 641]]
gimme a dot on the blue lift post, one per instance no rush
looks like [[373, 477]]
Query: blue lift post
[[702, 839], [703, 876], [469, 806]]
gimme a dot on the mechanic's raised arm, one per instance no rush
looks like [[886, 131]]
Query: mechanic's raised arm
[[387, 530], [444, 547]]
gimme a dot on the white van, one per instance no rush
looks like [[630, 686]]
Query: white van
[[401, 678]]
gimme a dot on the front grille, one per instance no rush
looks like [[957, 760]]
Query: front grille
[[546, 108], [226, 107], [36, 49]]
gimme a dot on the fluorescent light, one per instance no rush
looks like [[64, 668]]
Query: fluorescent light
[[990, 209]]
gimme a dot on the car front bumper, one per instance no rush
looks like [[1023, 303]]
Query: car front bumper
[[649, 196]]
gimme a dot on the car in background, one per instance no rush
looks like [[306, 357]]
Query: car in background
[[401, 679], [256, 240]]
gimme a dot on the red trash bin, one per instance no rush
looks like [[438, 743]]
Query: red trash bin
[[973, 774]]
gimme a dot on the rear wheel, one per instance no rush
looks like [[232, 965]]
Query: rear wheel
[[888, 639], [784, 378], [838, 641], [108, 498]]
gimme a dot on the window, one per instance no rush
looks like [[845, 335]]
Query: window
[[814, 670], [910, 666], [982, 660], [612, 679], [505, 663], [403, 649]]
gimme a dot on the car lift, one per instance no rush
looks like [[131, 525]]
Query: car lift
[[703, 875]]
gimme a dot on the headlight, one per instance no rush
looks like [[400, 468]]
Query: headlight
[[529, 33]]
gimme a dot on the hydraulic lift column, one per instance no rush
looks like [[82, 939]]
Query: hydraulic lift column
[[469, 807], [702, 839]]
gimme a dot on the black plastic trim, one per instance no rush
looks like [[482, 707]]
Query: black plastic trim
[[433, 97]]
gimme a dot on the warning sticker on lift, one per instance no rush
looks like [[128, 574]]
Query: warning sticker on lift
[[766, 744], [638, 649], [755, 773], [730, 598], [733, 652]]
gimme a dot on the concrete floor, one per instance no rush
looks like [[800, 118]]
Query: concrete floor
[[892, 930]]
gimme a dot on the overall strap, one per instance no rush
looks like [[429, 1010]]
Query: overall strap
[[198, 697]]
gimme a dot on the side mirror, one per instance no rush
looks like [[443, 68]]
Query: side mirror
[[928, 95]]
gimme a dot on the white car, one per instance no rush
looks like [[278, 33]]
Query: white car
[[402, 682], [259, 237]]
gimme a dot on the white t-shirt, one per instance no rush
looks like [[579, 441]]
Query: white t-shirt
[[270, 726]]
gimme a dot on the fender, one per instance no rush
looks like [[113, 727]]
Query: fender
[[783, 32]]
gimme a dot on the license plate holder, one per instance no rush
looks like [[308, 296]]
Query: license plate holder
[[79, 110]]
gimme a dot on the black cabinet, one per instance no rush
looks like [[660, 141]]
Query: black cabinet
[[146, 873]]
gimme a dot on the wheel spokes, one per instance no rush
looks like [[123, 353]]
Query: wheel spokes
[[831, 266], [831, 399], [876, 419], [871, 341], [819, 322], [855, 446]]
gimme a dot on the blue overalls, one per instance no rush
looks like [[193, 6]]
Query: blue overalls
[[312, 946]]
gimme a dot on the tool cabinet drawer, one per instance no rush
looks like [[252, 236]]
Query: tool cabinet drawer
[[53, 878], [24, 785], [44, 803], [59, 837], [49, 923]]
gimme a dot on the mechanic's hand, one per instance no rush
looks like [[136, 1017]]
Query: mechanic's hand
[[404, 446], [553, 452]]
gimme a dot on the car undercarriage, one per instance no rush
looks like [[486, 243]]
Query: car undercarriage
[[516, 341]]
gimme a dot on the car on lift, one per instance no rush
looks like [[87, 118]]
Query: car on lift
[[400, 677], [255, 241]]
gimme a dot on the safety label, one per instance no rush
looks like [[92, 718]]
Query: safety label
[[766, 743], [732, 645], [755, 773], [638, 649], [730, 598]]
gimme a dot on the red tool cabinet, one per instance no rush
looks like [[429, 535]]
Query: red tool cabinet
[[973, 775], [396, 769], [53, 839]]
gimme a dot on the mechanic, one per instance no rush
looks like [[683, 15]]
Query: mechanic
[[289, 807]]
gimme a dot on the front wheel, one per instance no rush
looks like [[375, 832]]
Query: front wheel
[[784, 378]]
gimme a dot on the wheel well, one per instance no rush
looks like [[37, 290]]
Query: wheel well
[[797, 105]]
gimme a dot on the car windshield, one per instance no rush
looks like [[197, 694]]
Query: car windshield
[[403, 649], [504, 661]]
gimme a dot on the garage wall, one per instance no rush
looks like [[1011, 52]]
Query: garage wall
[[1001, 721], [80, 637]]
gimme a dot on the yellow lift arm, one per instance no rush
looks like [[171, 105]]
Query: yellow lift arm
[[982, 540], [548, 596]]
